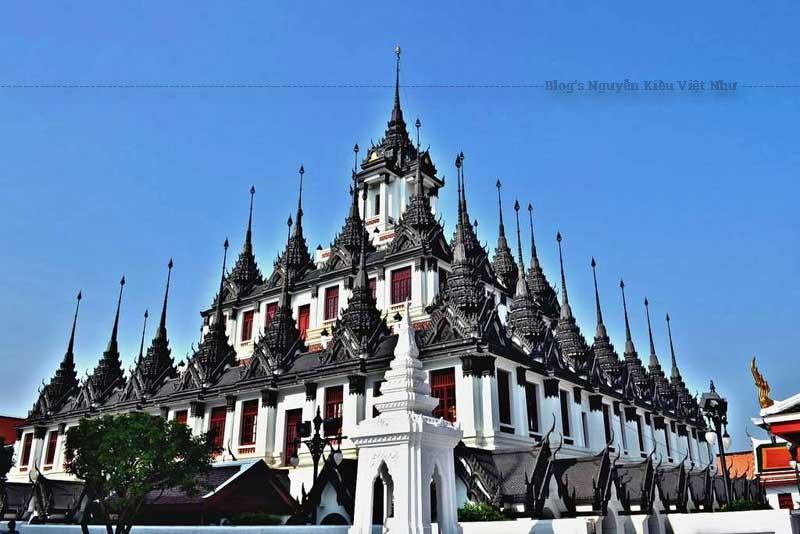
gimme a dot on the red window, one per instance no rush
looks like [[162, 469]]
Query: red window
[[247, 325], [181, 417], [443, 387], [401, 285], [293, 419], [272, 307], [26, 450], [216, 427], [303, 319], [52, 441], [785, 501], [372, 286], [249, 422], [334, 399], [331, 303]]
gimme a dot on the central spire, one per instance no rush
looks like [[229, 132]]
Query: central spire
[[361, 314], [523, 317], [632, 361], [540, 288], [296, 258], [570, 340], [245, 273], [653, 357], [602, 347], [566, 311], [109, 370], [158, 363], [397, 113], [504, 266]]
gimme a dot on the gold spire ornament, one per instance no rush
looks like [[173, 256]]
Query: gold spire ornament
[[763, 387]]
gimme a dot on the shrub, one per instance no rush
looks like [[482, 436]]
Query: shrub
[[480, 512], [742, 505], [256, 518]]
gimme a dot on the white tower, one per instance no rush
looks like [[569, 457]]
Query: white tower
[[406, 448]]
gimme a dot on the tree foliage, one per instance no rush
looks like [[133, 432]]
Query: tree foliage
[[6, 458], [480, 512], [121, 458]]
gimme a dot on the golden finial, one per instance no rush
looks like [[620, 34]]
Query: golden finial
[[397, 50], [763, 387]]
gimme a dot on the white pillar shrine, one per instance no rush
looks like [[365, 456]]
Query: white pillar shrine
[[407, 449]]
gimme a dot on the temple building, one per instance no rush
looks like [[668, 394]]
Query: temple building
[[540, 405]]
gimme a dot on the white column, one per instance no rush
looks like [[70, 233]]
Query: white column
[[597, 431], [490, 406], [519, 407], [309, 406], [39, 437], [229, 443], [551, 407], [267, 415], [467, 406]]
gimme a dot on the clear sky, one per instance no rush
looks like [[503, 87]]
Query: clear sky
[[692, 197]]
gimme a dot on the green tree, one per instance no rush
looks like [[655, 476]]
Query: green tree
[[121, 458], [6, 459]]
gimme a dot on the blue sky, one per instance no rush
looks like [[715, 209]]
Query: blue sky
[[690, 197]]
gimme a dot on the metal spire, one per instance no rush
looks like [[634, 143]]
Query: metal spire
[[218, 314], [458, 173], [534, 256], [675, 372], [629, 348], [248, 240], [502, 229], [112, 343], [141, 343], [566, 311], [283, 299], [355, 157], [519, 240], [601, 328], [71, 344], [162, 324], [397, 113], [653, 357], [298, 230], [419, 188], [463, 199]]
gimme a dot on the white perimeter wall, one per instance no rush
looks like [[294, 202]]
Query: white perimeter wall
[[754, 522]]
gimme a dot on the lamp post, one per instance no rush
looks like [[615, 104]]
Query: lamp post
[[317, 443], [715, 408]]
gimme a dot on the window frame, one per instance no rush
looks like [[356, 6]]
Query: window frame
[[217, 434], [27, 449], [330, 309], [446, 409], [401, 287], [566, 423], [248, 423], [303, 329], [248, 317], [532, 396], [52, 444], [293, 418], [504, 401], [334, 405], [181, 417], [269, 312]]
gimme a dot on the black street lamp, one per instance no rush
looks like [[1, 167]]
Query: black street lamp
[[715, 408], [317, 443]]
